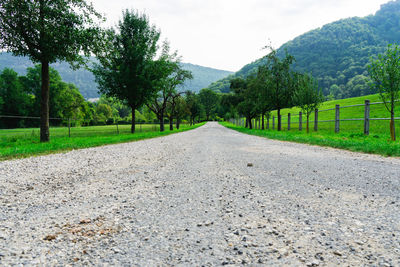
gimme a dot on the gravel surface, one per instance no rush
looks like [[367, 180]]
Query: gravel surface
[[209, 197]]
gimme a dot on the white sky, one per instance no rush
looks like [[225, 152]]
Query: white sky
[[227, 34]]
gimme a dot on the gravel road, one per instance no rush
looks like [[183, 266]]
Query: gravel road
[[190, 199]]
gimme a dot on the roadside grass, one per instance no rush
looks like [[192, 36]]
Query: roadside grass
[[373, 144], [22, 143], [354, 127], [351, 136]]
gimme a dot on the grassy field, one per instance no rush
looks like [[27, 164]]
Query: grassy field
[[351, 135], [378, 128], [20, 143]]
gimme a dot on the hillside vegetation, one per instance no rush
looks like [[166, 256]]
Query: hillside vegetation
[[84, 79], [337, 53]]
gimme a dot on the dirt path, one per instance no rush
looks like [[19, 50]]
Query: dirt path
[[190, 199]]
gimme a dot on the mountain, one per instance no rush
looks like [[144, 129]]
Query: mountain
[[338, 53], [84, 79]]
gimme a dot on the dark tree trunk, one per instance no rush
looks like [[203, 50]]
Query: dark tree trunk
[[250, 124], [263, 124], [161, 118], [171, 124], [133, 125], [44, 109], [392, 126], [247, 122], [208, 117], [177, 123], [279, 120], [308, 123]]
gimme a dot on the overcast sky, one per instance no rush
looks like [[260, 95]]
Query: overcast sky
[[227, 34]]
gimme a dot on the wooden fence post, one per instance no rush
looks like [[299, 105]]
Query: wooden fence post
[[366, 117], [316, 120], [267, 123], [337, 119], [69, 127], [300, 121], [273, 122], [259, 123], [288, 122]]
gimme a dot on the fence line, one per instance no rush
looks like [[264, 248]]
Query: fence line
[[316, 121]]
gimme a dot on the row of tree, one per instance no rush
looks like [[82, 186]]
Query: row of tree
[[275, 86], [132, 65], [20, 97]]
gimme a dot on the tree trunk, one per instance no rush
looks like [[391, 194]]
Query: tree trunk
[[177, 123], [133, 125], [279, 120], [263, 125], [44, 111], [171, 123], [392, 126], [161, 118], [308, 122], [247, 122], [250, 124], [208, 116]]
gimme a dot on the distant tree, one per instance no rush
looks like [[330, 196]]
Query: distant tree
[[281, 83], [15, 101], [71, 103], [167, 75], [103, 113], [262, 86], [247, 98], [385, 76], [194, 106], [171, 108], [209, 100], [46, 32], [181, 110], [307, 96], [125, 67]]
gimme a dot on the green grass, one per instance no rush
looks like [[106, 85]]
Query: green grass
[[351, 136], [21, 143], [350, 127], [375, 144]]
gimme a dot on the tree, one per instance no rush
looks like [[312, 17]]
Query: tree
[[385, 76], [262, 85], [194, 106], [181, 109], [125, 67], [171, 109], [71, 102], [16, 101], [307, 96], [168, 74], [282, 82], [103, 113], [209, 100], [247, 98], [48, 31]]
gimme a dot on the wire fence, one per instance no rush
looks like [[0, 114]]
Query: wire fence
[[364, 119], [14, 126]]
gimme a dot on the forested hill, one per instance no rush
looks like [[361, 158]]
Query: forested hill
[[338, 53], [84, 79]]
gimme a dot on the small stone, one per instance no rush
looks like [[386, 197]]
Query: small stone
[[50, 237], [249, 164], [337, 253], [85, 221]]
